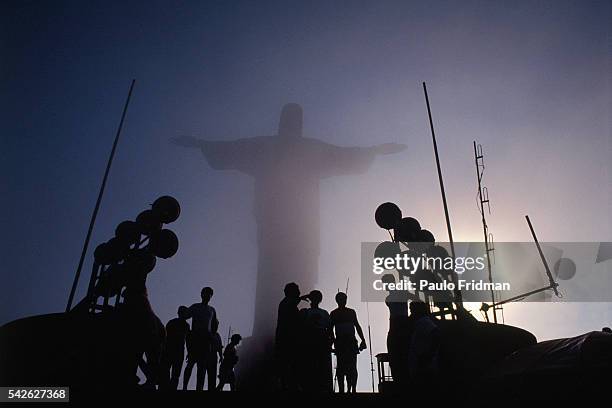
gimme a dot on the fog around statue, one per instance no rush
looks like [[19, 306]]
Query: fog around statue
[[287, 169]]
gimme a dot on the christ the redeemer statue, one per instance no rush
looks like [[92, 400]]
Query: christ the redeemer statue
[[287, 169]]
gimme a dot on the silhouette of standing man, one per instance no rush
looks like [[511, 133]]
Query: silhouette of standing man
[[174, 354], [204, 324], [317, 341], [344, 322], [287, 169], [286, 342]]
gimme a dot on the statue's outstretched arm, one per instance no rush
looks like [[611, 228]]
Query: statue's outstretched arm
[[338, 160], [241, 154]]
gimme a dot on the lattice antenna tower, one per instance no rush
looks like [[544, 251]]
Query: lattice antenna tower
[[483, 198]]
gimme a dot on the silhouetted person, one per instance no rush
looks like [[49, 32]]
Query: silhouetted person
[[143, 331], [442, 299], [216, 349], [317, 342], [344, 322], [606, 330], [286, 342], [204, 324], [424, 344], [287, 169], [229, 361], [398, 337], [176, 335]]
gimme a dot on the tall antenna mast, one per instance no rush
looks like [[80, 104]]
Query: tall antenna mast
[[98, 201], [458, 297], [483, 198]]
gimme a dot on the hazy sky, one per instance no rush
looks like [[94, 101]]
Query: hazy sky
[[529, 80]]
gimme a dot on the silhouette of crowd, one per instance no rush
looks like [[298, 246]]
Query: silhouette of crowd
[[166, 355], [306, 339]]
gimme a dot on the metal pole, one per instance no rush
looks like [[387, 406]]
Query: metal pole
[[458, 297], [553, 284], [524, 295], [98, 202], [370, 341]]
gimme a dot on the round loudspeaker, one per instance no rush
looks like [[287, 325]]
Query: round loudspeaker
[[407, 230], [164, 243], [167, 208], [148, 222], [388, 215]]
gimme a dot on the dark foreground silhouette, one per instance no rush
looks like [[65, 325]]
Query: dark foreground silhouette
[[435, 349]]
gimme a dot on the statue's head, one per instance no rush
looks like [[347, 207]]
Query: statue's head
[[291, 121]]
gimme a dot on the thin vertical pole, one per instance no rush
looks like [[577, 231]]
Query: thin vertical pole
[[370, 341], [458, 297], [98, 201]]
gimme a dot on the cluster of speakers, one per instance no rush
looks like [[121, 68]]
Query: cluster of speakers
[[132, 253], [408, 231]]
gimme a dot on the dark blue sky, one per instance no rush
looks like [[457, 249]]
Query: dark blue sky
[[529, 80]]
